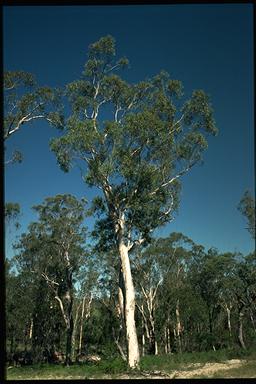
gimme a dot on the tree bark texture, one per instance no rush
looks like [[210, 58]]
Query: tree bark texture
[[129, 307]]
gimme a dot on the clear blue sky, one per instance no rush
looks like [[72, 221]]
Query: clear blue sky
[[206, 46]]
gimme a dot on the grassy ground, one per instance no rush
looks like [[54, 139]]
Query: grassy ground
[[116, 368]]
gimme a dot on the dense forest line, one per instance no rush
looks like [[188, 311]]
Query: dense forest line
[[118, 290], [188, 299]]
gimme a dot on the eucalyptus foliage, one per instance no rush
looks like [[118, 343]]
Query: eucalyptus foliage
[[247, 207], [133, 140], [25, 102]]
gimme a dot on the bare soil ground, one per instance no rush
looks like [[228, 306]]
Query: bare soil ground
[[208, 369]]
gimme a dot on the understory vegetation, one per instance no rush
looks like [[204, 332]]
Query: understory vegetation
[[115, 368]]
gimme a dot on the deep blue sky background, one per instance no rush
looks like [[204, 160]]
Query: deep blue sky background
[[206, 46]]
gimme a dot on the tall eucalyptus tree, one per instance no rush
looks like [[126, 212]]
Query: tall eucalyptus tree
[[134, 142]]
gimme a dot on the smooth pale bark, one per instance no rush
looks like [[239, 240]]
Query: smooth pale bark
[[149, 316], [81, 327], [143, 343], [129, 307], [31, 329], [229, 321], [143, 333], [165, 339], [228, 308]]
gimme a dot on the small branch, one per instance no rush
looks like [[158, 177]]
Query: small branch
[[176, 123], [48, 280], [173, 178]]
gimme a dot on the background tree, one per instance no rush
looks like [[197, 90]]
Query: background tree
[[247, 208], [53, 249], [12, 214], [135, 153], [25, 102]]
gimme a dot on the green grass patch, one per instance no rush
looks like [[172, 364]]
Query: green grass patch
[[83, 371]]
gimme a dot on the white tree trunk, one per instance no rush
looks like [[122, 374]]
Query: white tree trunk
[[178, 325], [81, 327], [129, 299], [31, 329], [229, 322], [143, 334]]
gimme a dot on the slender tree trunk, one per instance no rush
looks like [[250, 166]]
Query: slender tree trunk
[[69, 316], [143, 333], [152, 335], [168, 337], [129, 306], [81, 327], [74, 333], [165, 341], [119, 347], [240, 329], [69, 333], [229, 321], [252, 320], [31, 328], [178, 325], [156, 348]]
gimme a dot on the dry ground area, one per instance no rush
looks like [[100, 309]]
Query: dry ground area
[[192, 371], [228, 369]]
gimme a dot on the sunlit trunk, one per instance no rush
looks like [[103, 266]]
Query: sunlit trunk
[[143, 333], [81, 327], [229, 321], [129, 307], [31, 329]]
